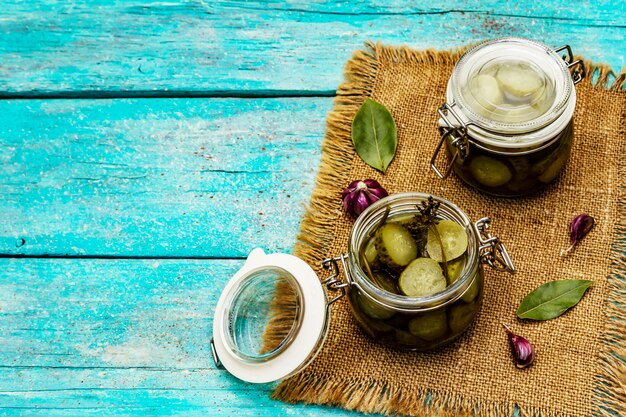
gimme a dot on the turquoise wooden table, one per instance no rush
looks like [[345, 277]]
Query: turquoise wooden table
[[146, 147]]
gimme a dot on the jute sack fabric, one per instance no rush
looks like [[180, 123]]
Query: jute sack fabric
[[580, 367]]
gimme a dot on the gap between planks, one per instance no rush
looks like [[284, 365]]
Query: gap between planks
[[147, 94], [115, 257]]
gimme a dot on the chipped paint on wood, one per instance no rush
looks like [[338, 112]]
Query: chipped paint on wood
[[156, 177], [181, 177], [217, 47], [119, 337]]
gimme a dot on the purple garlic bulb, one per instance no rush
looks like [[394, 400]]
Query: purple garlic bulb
[[359, 195]]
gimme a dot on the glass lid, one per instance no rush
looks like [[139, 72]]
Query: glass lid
[[269, 318], [511, 85]]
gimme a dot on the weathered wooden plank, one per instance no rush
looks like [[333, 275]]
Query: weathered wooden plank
[[96, 392], [171, 401], [120, 337], [109, 313], [190, 47], [584, 12], [55, 329], [156, 177]]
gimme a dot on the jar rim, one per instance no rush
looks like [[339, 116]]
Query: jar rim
[[251, 280], [545, 57], [307, 337], [403, 203], [526, 142]]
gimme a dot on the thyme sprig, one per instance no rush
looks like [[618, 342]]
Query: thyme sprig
[[428, 212], [426, 220]]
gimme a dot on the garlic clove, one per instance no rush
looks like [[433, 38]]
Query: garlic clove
[[580, 226], [522, 349], [361, 202]]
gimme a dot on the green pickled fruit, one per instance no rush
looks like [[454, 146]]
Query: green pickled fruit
[[455, 268], [553, 166], [423, 277], [408, 339], [395, 245], [373, 327], [487, 92], [453, 239], [489, 172], [429, 326], [461, 316], [474, 289], [520, 81], [371, 254], [372, 309]]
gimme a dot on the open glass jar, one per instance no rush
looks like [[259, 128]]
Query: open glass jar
[[507, 121], [273, 315]]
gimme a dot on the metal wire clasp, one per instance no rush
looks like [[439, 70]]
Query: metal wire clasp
[[216, 358], [577, 68], [334, 283], [492, 250], [458, 134]]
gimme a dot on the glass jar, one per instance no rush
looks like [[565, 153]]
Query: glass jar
[[273, 316], [420, 323], [507, 121]]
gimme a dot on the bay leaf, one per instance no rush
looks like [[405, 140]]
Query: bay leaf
[[374, 135], [552, 299]]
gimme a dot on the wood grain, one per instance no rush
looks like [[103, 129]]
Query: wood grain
[[156, 177], [99, 178], [148, 48], [118, 337]]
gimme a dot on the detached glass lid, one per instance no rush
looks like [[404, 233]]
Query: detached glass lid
[[270, 318], [511, 85]]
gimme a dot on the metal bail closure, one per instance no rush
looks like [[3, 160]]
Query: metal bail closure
[[577, 67], [457, 132], [492, 250], [334, 283]]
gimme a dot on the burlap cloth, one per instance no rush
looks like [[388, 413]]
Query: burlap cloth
[[580, 367]]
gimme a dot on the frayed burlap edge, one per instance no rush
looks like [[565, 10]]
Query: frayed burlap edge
[[373, 396], [313, 241], [609, 395]]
